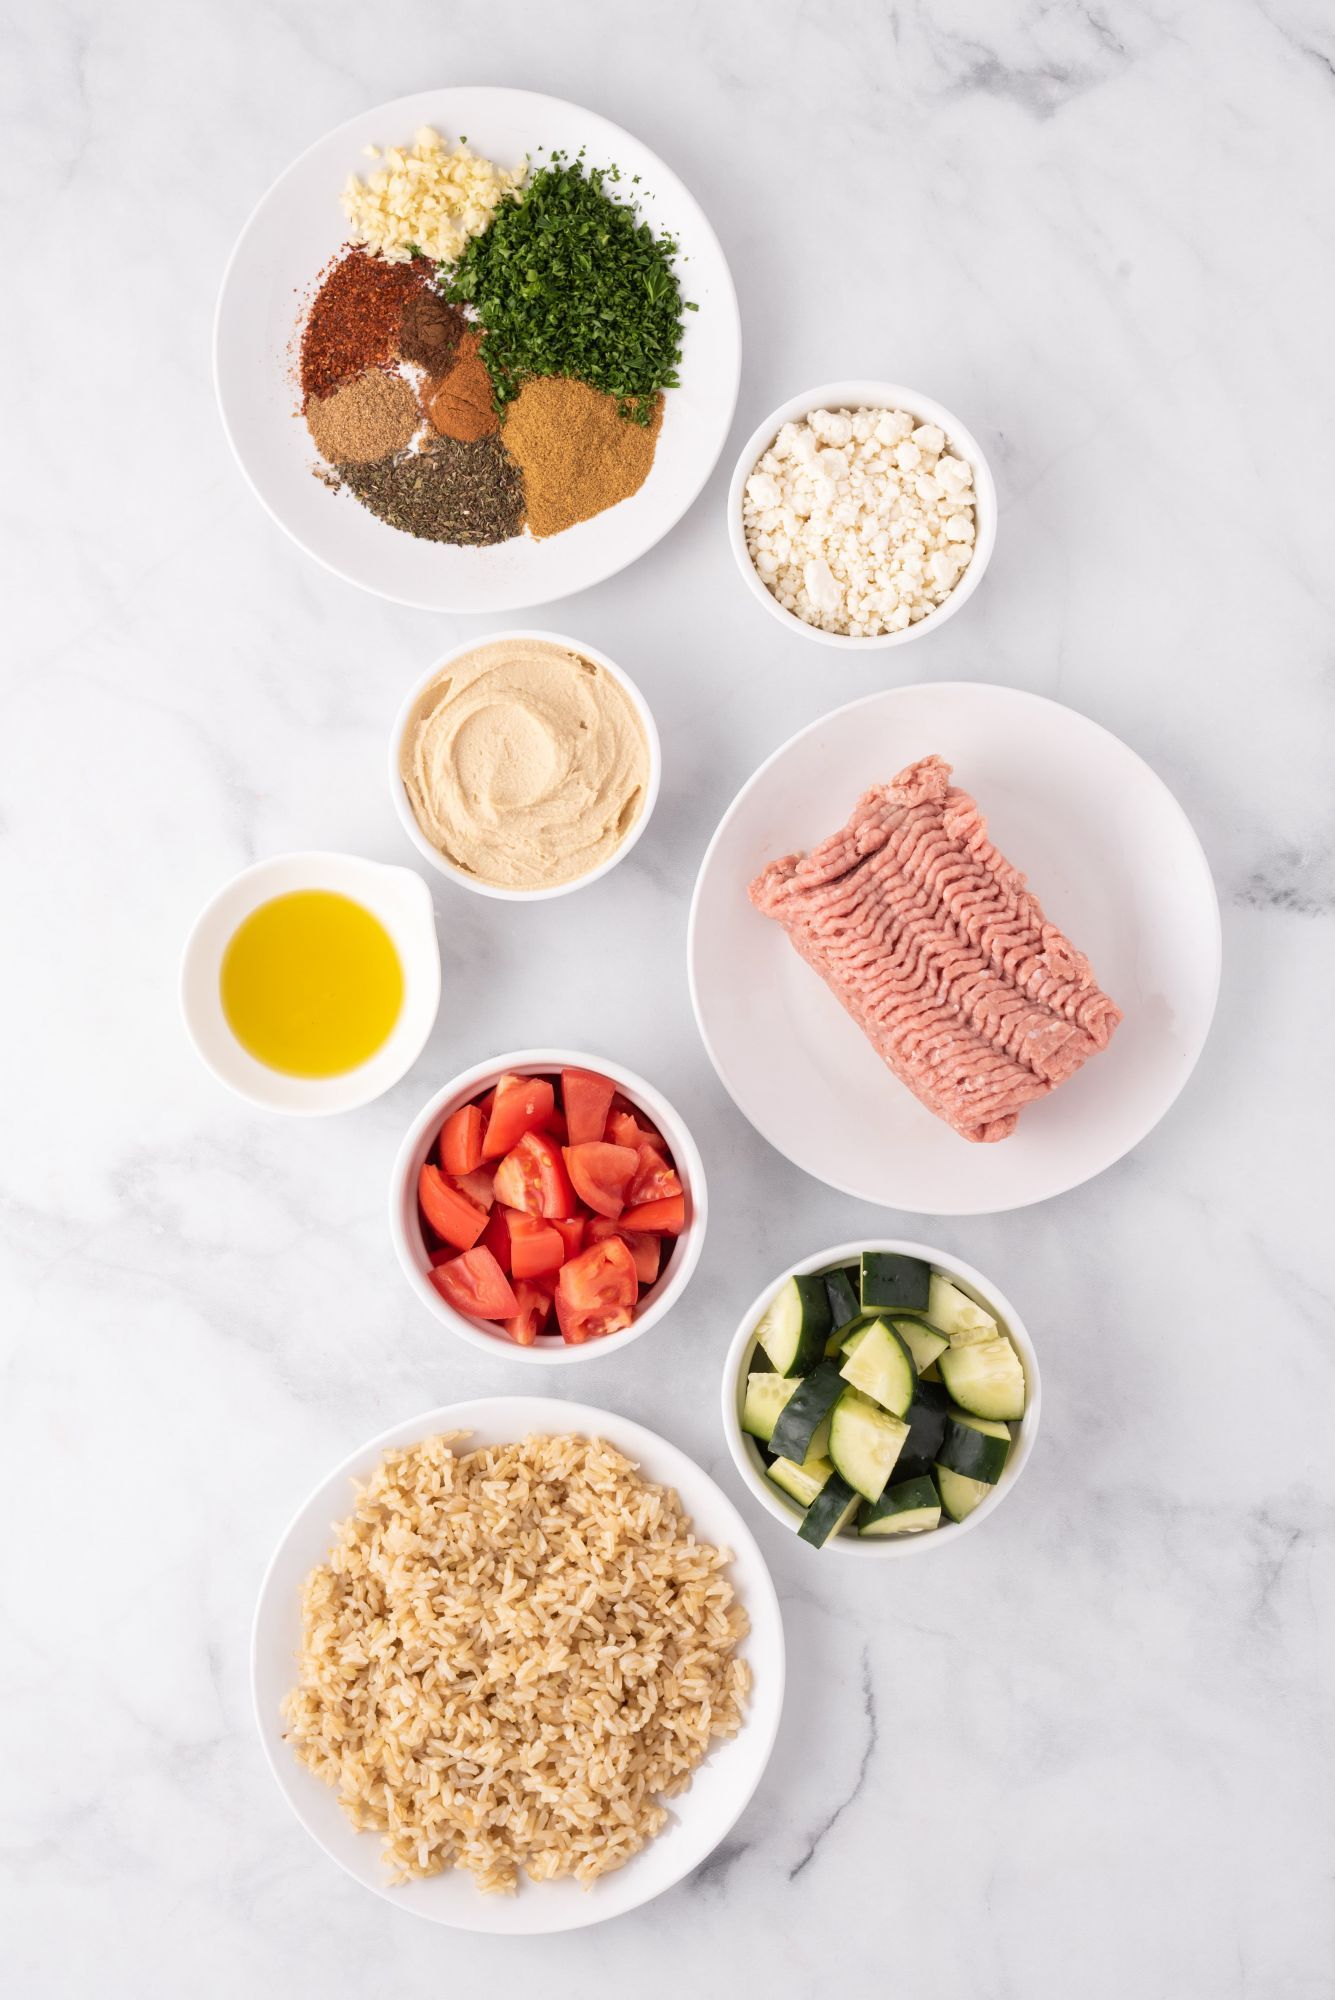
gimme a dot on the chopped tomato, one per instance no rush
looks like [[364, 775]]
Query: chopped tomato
[[523, 1104], [451, 1214], [477, 1186], [600, 1174], [596, 1292], [665, 1218], [496, 1237], [643, 1248], [572, 1232], [475, 1284], [654, 1179], [461, 1140], [441, 1256], [533, 1178], [535, 1246], [528, 1322], [627, 1128], [587, 1099]]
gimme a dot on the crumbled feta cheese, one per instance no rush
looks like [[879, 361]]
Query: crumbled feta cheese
[[860, 521]]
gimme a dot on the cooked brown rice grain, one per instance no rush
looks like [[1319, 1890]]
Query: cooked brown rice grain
[[512, 1656]]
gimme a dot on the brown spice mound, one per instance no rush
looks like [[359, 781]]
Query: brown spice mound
[[461, 405], [355, 321], [364, 420], [447, 492], [431, 331], [577, 453]]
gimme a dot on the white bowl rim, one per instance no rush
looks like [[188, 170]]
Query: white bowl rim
[[321, 1097], [686, 1156], [727, 303], [988, 1294], [866, 393], [408, 818], [582, 1419]]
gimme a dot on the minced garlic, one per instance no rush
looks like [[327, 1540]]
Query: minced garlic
[[426, 199]]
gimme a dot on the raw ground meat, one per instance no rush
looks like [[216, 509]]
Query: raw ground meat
[[940, 953]]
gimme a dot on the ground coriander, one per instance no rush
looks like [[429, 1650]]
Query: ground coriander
[[364, 420]]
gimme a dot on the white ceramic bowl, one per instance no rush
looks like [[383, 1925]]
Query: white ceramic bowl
[[1103, 844], [403, 804], [299, 226], [401, 901], [699, 1817], [871, 396], [747, 1455], [549, 1350]]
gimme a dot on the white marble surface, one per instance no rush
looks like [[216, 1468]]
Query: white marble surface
[[1089, 1751]]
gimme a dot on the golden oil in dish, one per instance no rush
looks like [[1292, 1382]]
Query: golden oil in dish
[[311, 983]]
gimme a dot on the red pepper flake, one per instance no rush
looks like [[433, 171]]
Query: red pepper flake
[[355, 320]]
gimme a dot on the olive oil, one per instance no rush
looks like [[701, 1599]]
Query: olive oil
[[311, 983]]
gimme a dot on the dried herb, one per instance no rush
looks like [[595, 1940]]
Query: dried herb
[[447, 492], [567, 281]]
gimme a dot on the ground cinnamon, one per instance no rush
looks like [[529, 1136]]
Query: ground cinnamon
[[577, 453], [460, 404]]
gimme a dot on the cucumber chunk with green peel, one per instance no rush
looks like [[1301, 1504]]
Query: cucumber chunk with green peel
[[889, 1279], [865, 1441], [858, 1331], [763, 1402], [927, 1416], [959, 1496], [953, 1313], [801, 1482], [986, 1378], [812, 1399], [880, 1366], [795, 1325], [831, 1510], [909, 1507], [841, 1288], [975, 1447], [925, 1343]]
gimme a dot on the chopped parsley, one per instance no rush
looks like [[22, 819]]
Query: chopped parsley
[[567, 281]]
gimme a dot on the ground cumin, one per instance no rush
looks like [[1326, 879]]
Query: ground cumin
[[460, 404], [578, 455], [368, 419]]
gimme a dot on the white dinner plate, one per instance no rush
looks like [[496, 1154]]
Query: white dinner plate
[[700, 1816], [1110, 855], [299, 226]]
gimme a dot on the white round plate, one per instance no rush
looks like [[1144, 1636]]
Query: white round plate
[[700, 1817], [1110, 855], [299, 226]]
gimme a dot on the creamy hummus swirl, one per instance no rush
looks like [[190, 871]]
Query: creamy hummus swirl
[[526, 764]]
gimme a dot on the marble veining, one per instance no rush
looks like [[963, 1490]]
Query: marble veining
[[1089, 1751]]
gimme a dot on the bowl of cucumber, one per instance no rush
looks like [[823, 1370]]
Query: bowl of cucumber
[[881, 1398]]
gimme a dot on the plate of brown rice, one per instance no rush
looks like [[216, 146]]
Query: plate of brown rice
[[518, 1665]]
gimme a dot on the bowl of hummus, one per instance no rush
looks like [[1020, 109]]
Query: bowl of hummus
[[525, 765]]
